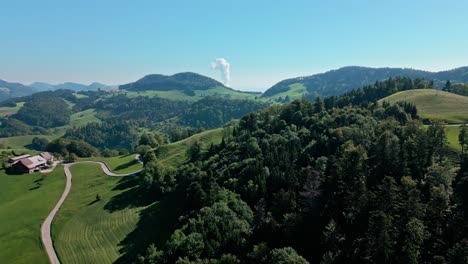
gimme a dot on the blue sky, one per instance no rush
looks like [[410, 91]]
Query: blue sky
[[117, 42]]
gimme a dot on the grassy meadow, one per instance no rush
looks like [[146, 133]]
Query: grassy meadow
[[296, 91], [452, 137], [86, 230], [84, 117], [7, 111], [25, 201], [22, 142], [120, 164], [174, 154], [434, 104]]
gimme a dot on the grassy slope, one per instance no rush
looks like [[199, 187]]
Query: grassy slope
[[77, 95], [452, 137], [434, 104], [84, 117], [296, 91], [23, 207], [21, 142], [121, 164], [174, 154], [6, 111], [84, 231]]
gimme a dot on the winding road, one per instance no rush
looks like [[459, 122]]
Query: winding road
[[45, 228]]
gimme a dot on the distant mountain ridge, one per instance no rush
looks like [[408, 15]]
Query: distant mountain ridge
[[340, 81], [334, 82], [41, 86], [185, 81], [10, 90]]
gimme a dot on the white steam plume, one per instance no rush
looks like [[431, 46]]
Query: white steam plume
[[224, 67]]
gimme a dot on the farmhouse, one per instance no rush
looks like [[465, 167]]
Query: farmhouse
[[18, 158], [29, 164]]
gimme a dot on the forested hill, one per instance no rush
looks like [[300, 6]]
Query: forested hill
[[340, 81], [299, 183], [114, 120], [186, 81]]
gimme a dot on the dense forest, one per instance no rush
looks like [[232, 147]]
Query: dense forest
[[41, 111], [123, 116], [112, 134], [301, 183], [212, 112], [457, 88], [145, 110], [178, 119], [45, 112]]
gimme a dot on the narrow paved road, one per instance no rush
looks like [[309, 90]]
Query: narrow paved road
[[45, 228]]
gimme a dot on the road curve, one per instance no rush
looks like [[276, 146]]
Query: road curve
[[45, 228]]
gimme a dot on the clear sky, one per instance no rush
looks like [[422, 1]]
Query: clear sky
[[117, 42]]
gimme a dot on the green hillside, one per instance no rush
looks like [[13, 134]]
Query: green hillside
[[23, 142], [182, 86], [174, 154], [343, 80], [7, 111], [89, 231], [435, 104], [293, 91], [452, 137], [84, 117], [25, 201], [120, 164]]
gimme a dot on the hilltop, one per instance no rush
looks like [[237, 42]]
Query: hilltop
[[340, 81], [183, 86], [434, 104], [180, 81]]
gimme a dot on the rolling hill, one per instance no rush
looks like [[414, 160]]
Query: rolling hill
[[175, 154], [10, 90], [183, 86], [435, 104], [340, 81]]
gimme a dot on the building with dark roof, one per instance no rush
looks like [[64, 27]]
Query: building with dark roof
[[29, 164]]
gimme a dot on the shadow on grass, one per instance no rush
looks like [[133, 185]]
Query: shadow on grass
[[157, 223], [93, 202], [126, 183], [126, 165], [132, 196]]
